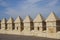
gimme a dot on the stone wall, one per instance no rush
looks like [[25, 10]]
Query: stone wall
[[38, 27]]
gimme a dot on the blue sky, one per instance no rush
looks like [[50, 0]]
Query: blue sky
[[23, 8]]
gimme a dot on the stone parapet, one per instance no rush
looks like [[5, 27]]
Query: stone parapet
[[39, 27]]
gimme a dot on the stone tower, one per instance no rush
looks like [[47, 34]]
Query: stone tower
[[18, 24], [52, 23], [28, 26], [10, 24], [4, 24], [39, 23]]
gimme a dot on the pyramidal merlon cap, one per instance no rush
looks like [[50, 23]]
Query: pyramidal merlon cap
[[4, 20], [11, 20], [28, 19], [39, 18], [52, 17], [18, 20]]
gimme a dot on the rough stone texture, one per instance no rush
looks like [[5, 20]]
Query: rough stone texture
[[18, 24], [27, 23], [52, 23], [10, 24], [39, 23], [3, 24], [29, 27]]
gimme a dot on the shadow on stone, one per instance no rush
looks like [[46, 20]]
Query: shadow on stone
[[21, 37]]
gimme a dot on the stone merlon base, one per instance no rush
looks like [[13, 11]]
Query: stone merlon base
[[32, 33]]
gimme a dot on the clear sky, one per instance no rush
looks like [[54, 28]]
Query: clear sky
[[23, 8]]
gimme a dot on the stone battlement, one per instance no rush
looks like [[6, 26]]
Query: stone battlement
[[38, 27]]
